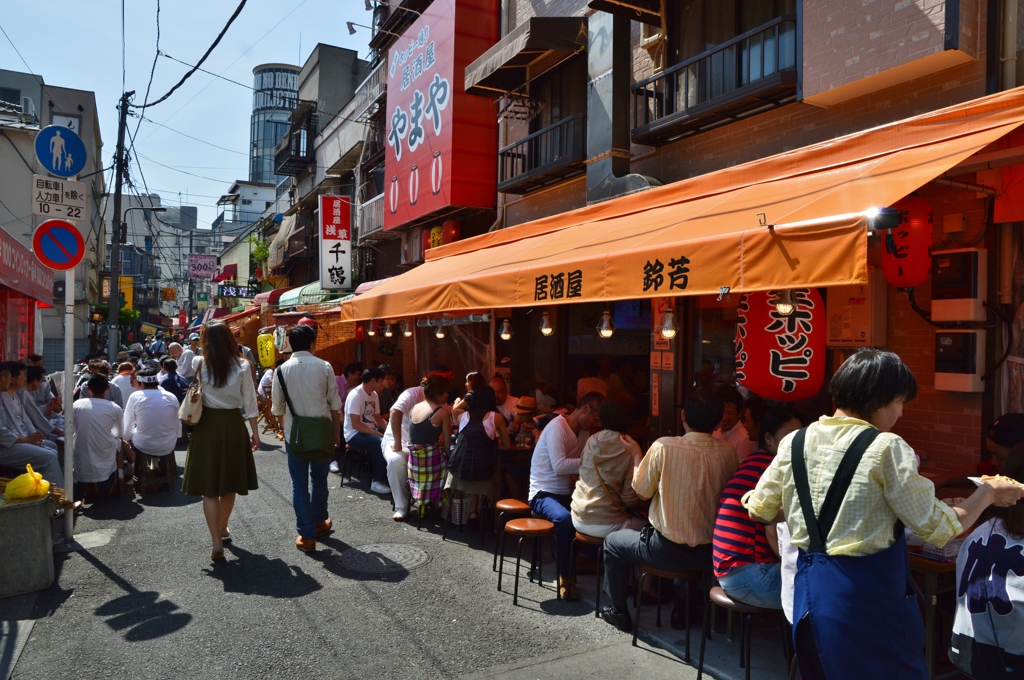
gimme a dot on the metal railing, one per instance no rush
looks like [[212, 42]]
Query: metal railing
[[764, 51], [544, 151], [371, 217]]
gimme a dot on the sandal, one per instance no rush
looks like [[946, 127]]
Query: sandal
[[217, 555], [225, 534]]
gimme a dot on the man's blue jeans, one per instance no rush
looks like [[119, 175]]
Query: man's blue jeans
[[555, 508], [310, 509], [371, 444]]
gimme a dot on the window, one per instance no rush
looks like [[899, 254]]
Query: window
[[246, 201], [563, 91], [700, 25], [10, 95]]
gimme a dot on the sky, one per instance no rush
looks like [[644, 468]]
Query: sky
[[86, 53]]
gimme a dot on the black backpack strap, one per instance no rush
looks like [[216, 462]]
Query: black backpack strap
[[803, 492], [842, 479], [284, 388]]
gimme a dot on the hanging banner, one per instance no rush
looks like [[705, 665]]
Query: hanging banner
[[335, 243], [169, 294], [425, 169]]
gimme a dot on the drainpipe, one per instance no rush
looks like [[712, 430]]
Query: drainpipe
[[499, 222], [1009, 64]]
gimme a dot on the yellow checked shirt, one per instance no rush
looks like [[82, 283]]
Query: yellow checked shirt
[[885, 487]]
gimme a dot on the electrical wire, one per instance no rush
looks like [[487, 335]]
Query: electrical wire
[[220, 36], [184, 134], [18, 151], [152, 69], [215, 75]]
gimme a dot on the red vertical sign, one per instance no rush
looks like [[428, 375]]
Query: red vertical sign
[[441, 142], [335, 243]]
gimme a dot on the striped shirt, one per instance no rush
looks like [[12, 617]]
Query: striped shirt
[[739, 540], [684, 477]]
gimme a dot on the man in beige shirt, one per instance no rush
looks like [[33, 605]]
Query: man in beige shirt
[[684, 478]]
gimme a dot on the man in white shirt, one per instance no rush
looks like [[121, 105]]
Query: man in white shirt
[[17, 450], [184, 357], [123, 381], [556, 459], [364, 426], [395, 445], [97, 437], [505, 402], [151, 423], [312, 393], [731, 429]]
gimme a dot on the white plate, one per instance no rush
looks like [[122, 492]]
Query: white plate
[[976, 480]]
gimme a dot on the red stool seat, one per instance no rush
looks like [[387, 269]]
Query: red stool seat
[[529, 526]]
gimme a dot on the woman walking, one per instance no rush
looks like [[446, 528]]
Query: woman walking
[[219, 463], [847, 487]]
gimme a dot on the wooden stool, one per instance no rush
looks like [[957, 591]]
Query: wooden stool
[[528, 527], [506, 507], [684, 576], [155, 471], [718, 597], [589, 540]]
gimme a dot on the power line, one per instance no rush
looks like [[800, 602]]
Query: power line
[[185, 77], [215, 75], [183, 134], [16, 51], [152, 69]]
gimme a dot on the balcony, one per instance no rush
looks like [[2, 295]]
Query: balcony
[[296, 243], [371, 220], [551, 155], [294, 153], [747, 75]]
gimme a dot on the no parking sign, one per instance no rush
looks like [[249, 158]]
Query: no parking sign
[[58, 245]]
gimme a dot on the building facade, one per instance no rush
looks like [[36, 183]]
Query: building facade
[[275, 93]]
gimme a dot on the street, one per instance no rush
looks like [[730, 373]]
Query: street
[[144, 600]]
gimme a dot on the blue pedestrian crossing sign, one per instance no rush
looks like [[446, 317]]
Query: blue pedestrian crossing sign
[[60, 150]]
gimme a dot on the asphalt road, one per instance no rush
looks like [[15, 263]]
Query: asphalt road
[[144, 601]]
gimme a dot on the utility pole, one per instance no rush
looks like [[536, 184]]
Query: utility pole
[[113, 341]]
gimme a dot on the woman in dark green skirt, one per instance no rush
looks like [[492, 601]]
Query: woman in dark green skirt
[[219, 463]]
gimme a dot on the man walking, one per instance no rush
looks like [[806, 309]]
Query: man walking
[[313, 393]]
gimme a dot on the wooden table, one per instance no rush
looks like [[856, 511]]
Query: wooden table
[[932, 570]]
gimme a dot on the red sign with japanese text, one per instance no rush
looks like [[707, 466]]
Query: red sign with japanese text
[[335, 242], [441, 142]]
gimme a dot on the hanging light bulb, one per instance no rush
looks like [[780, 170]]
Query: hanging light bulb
[[606, 328], [439, 333], [784, 303], [389, 330], [406, 329], [371, 329], [546, 328], [668, 326], [506, 330]]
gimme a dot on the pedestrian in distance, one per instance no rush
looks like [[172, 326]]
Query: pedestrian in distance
[[219, 463]]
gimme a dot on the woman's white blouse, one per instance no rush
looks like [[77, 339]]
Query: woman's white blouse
[[238, 392]]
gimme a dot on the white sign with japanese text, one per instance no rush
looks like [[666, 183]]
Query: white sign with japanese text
[[335, 243], [54, 197]]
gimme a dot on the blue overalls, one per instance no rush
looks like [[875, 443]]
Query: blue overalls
[[856, 617]]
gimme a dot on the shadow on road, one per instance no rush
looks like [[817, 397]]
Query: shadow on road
[[137, 615], [252, 574]]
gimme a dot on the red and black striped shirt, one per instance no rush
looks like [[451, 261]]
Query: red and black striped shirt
[[739, 540]]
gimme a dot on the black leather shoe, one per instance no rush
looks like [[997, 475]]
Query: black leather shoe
[[678, 620], [623, 621]]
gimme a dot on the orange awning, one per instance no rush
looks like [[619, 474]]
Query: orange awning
[[696, 236]]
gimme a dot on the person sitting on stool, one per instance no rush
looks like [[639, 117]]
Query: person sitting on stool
[[151, 424], [364, 426], [97, 438]]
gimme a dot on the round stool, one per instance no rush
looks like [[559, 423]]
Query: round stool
[[527, 527], [719, 597], [589, 540], [507, 507], [684, 576]]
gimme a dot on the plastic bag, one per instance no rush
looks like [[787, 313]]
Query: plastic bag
[[28, 486]]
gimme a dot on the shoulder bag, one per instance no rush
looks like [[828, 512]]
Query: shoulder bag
[[311, 437], [191, 409]]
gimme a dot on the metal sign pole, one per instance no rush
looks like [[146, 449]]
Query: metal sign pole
[[69, 377]]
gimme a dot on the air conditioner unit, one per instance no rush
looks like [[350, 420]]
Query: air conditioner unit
[[28, 106]]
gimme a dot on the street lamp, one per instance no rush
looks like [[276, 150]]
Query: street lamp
[[369, 6], [352, 29], [114, 306]]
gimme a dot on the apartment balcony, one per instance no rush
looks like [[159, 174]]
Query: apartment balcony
[[747, 75], [548, 156], [294, 153], [371, 220]]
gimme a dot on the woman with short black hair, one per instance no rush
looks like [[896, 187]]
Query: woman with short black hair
[[847, 487]]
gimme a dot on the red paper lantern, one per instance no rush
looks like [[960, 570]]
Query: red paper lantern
[[451, 232], [906, 260], [425, 236], [307, 321], [781, 357], [359, 332]]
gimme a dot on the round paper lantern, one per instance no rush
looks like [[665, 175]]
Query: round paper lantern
[[425, 239], [906, 260], [265, 349], [451, 233], [436, 234], [781, 357]]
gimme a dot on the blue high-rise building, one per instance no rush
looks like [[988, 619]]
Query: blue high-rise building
[[276, 94]]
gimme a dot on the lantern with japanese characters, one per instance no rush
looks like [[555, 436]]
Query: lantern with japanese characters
[[906, 260], [781, 357]]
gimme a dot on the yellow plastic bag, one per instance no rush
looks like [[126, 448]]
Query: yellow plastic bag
[[28, 486]]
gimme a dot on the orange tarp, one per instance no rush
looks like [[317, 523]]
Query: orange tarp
[[698, 235]]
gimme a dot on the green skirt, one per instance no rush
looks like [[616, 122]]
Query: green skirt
[[219, 459]]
